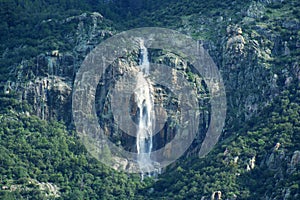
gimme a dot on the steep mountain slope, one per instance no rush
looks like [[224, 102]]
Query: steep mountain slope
[[256, 46]]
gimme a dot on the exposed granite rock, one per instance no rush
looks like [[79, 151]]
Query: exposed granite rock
[[49, 190], [45, 82], [167, 106], [256, 10], [244, 74], [236, 41], [271, 1], [275, 160], [295, 160], [216, 195]]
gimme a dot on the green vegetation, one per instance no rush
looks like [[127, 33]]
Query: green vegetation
[[34, 152], [34, 149], [277, 123]]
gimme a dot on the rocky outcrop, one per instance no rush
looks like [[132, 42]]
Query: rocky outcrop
[[271, 1], [45, 82], [244, 75], [283, 166], [251, 164], [166, 104], [256, 10], [216, 195], [295, 160], [235, 42], [276, 161], [49, 190], [244, 56]]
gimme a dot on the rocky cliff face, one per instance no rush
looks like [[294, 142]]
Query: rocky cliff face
[[249, 80], [256, 47], [246, 52], [167, 106], [45, 82]]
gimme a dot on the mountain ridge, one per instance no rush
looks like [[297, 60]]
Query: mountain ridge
[[256, 47]]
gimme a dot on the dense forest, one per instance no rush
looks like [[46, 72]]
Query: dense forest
[[258, 153]]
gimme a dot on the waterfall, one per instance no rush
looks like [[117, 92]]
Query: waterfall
[[144, 61], [145, 104]]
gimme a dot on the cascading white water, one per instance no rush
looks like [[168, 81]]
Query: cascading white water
[[144, 61], [146, 118]]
